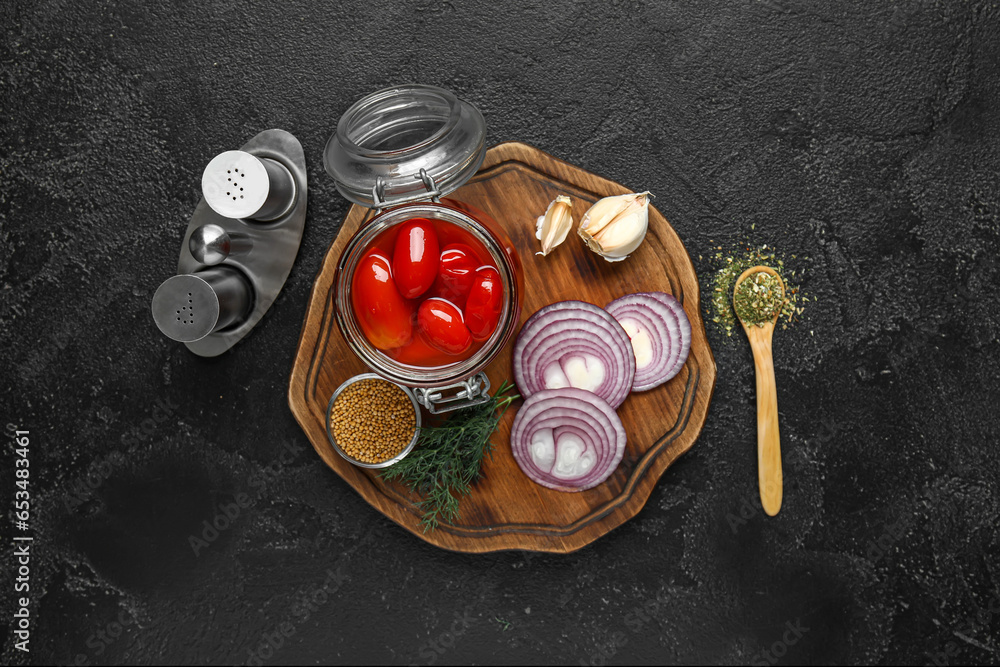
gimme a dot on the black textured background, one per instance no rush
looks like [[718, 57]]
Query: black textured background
[[862, 135]]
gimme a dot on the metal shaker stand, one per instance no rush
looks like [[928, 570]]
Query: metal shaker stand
[[262, 251]]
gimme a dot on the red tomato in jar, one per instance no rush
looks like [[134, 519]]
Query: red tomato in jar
[[415, 258], [457, 270], [385, 317], [485, 303], [444, 326]]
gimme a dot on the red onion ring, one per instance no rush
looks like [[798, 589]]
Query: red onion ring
[[685, 324], [582, 427], [561, 332], [658, 319]]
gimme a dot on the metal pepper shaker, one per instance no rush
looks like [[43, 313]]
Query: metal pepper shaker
[[188, 307]]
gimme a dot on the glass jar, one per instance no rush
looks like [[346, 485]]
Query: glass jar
[[399, 151]]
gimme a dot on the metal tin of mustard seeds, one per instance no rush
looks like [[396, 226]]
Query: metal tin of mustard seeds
[[329, 425]]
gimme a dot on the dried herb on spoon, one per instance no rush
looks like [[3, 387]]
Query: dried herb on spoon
[[759, 298], [448, 458], [732, 265]]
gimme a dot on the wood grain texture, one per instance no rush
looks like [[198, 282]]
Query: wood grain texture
[[768, 439], [506, 510], [769, 471]]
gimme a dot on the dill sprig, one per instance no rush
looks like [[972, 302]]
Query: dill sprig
[[448, 458]]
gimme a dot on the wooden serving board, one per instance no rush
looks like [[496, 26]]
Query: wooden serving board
[[506, 510]]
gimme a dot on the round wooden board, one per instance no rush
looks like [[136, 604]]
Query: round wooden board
[[506, 510]]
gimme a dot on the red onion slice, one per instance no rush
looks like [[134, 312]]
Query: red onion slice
[[574, 344], [685, 324], [567, 439], [660, 335]]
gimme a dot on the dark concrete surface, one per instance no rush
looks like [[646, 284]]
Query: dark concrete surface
[[861, 135]]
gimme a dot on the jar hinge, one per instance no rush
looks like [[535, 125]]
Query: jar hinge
[[378, 192], [465, 394]]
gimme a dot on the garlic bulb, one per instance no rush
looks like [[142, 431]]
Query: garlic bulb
[[554, 225], [615, 226]]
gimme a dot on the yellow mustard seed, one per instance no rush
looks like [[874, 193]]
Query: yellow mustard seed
[[372, 420]]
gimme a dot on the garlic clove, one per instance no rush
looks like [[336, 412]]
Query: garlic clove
[[553, 227], [615, 226], [602, 213]]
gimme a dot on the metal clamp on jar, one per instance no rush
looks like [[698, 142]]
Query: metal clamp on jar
[[399, 152]]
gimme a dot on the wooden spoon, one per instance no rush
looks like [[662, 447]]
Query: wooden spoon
[[768, 441]]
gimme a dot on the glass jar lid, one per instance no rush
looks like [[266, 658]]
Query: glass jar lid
[[403, 144]]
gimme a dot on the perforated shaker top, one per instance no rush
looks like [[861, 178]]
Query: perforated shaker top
[[235, 184], [186, 308]]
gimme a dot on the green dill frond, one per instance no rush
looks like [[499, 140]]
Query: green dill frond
[[448, 459]]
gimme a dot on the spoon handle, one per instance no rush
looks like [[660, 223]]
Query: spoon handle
[[768, 440]]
